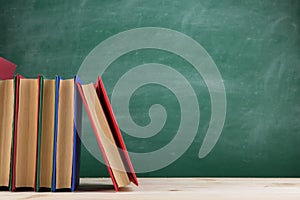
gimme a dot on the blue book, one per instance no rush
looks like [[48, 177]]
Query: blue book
[[66, 154]]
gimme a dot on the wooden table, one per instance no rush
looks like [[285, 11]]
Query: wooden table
[[178, 188]]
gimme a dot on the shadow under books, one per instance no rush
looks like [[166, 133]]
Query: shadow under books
[[96, 187], [83, 187]]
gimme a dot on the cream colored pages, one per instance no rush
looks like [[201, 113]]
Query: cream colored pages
[[64, 152], [105, 135], [47, 133], [6, 120], [27, 133]]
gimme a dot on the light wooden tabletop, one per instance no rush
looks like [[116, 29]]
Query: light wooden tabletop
[[178, 188]]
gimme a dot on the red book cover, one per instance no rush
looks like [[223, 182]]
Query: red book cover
[[7, 69], [17, 85], [98, 139], [116, 135], [15, 135], [102, 95]]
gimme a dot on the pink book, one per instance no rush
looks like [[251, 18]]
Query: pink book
[[7, 69]]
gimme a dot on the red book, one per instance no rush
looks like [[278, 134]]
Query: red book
[[25, 133], [7, 69], [107, 133], [102, 95]]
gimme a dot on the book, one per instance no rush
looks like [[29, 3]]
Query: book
[[103, 97], [7, 69], [65, 174], [40, 128], [25, 133], [109, 139], [77, 135], [6, 130], [46, 135]]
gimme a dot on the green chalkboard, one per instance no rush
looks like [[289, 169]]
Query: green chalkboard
[[254, 45]]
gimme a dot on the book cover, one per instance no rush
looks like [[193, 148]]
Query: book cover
[[77, 134], [103, 97], [116, 162], [25, 133], [7, 69], [46, 135], [14, 140], [66, 146], [6, 130], [57, 81], [37, 182]]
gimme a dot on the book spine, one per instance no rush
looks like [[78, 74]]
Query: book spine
[[14, 146], [77, 132], [39, 126], [57, 80]]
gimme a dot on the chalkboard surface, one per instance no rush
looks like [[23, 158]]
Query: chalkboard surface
[[254, 44]]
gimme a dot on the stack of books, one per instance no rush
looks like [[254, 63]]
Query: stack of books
[[40, 126]]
